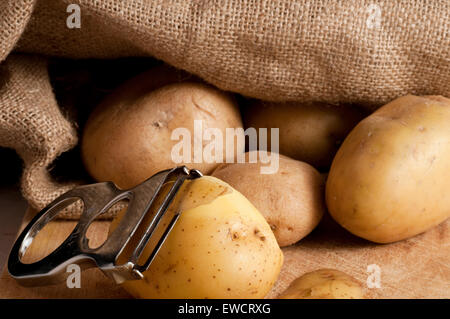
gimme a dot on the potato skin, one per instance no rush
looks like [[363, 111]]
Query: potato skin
[[221, 247], [127, 138], [291, 200], [324, 284], [390, 179], [308, 132]]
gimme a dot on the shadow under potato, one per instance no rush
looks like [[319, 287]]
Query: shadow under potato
[[329, 234]]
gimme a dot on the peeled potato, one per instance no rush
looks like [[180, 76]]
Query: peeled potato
[[290, 199], [390, 179], [324, 284], [128, 137], [221, 247], [308, 132]]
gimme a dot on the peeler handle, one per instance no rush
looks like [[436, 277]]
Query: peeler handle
[[97, 198]]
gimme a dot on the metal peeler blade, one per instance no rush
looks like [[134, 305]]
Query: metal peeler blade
[[97, 199]]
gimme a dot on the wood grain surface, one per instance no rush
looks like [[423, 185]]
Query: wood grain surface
[[414, 268]]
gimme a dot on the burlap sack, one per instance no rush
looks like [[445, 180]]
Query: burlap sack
[[32, 124], [364, 52]]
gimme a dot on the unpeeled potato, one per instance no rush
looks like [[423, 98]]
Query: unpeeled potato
[[291, 199], [308, 132], [221, 247], [128, 137], [390, 179], [324, 284]]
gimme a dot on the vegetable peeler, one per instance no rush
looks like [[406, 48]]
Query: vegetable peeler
[[97, 199]]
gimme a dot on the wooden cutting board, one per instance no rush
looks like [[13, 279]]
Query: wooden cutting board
[[414, 268]]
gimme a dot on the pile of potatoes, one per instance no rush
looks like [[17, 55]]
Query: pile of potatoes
[[382, 176]]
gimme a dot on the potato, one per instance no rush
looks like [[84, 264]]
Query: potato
[[127, 138], [390, 178], [308, 132], [291, 200], [221, 247], [324, 284]]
